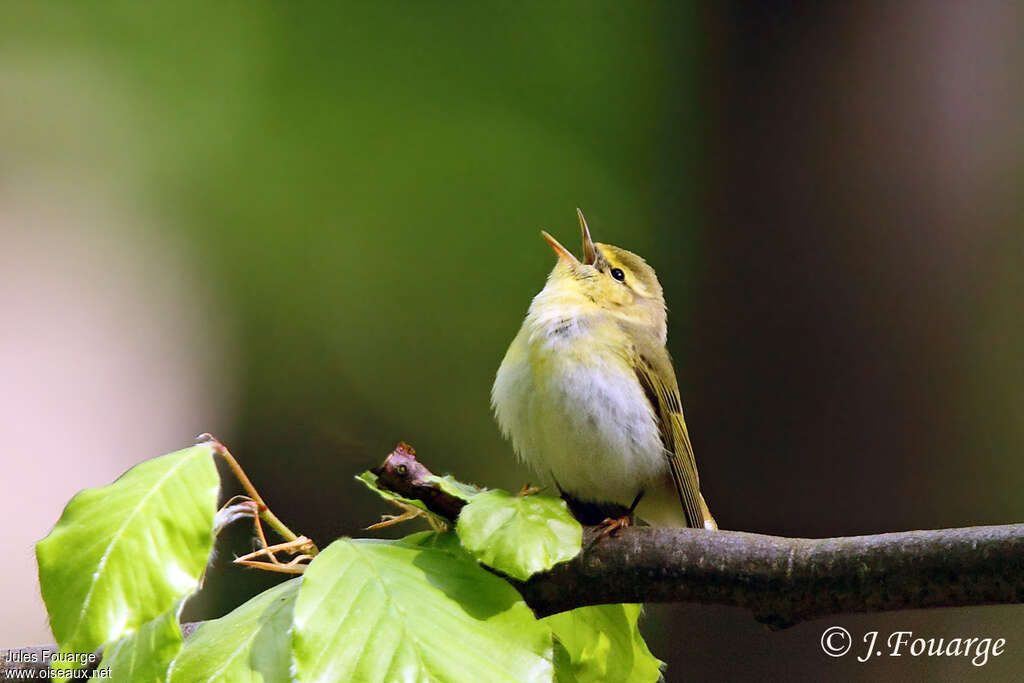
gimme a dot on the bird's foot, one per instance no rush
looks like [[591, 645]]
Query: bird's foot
[[529, 489], [611, 525]]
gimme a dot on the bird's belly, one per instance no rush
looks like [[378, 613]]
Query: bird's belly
[[587, 423]]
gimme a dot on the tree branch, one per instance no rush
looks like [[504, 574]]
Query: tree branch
[[781, 580], [787, 580]]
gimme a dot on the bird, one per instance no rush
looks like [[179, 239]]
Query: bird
[[587, 393]]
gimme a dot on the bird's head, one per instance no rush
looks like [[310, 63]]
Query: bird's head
[[607, 279]]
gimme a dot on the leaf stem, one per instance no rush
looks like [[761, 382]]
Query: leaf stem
[[266, 514]]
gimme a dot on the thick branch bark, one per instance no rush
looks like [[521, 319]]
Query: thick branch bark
[[781, 580], [787, 580]]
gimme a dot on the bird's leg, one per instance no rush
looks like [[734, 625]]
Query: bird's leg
[[529, 489], [636, 501], [611, 525]]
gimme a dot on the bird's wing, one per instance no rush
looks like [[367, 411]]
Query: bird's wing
[[654, 370]]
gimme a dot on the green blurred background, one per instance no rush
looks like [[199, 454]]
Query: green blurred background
[[313, 229]]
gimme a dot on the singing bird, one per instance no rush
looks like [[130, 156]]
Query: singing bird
[[587, 393]]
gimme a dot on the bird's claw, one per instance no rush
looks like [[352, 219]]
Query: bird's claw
[[529, 489], [611, 525]]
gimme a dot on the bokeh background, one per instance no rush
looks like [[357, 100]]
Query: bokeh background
[[313, 230]]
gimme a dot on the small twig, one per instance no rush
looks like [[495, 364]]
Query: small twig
[[264, 511], [409, 512], [293, 566]]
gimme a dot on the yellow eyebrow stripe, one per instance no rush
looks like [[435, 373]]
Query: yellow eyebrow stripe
[[631, 279]]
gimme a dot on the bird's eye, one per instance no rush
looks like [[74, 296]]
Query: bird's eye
[[618, 274]]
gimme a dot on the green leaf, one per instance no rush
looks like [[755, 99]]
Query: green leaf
[[370, 480], [519, 535], [143, 656], [446, 541], [250, 644], [126, 553], [408, 610], [602, 643], [456, 488], [447, 483]]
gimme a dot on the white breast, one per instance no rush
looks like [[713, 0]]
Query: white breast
[[574, 410]]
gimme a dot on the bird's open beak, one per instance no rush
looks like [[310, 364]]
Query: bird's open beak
[[589, 251], [561, 251]]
